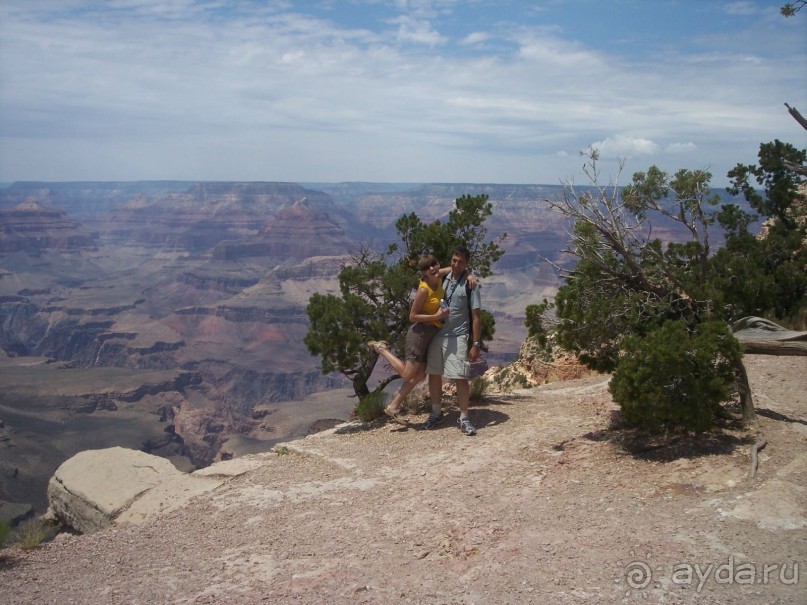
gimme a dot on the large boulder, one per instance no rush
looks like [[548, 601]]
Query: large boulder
[[98, 488]]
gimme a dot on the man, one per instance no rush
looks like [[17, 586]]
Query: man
[[449, 352]]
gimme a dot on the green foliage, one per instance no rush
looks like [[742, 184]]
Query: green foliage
[[370, 406], [488, 327], [464, 226], [676, 377], [375, 290], [478, 388], [508, 379], [765, 276], [779, 182], [5, 530], [626, 281], [414, 403], [630, 295], [536, 322], [31, 533], [791, 8]]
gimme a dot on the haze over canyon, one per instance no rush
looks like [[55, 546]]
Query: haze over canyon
[[169, 316]]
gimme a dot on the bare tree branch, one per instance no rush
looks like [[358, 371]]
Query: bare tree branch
[[797, 116]]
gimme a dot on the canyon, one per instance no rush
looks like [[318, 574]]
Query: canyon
[[169, 316]]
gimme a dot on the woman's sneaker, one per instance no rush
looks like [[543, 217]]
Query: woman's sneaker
[[466, 427], [432, 421]]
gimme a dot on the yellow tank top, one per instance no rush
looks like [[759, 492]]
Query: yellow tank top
[[433, 298]]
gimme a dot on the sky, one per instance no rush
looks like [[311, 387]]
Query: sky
[[442, 91]]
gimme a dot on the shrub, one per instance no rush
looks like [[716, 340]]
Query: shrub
[[676, 376], [479, 387], [415, 403], [31, 533], [5, 530], [370, 406]]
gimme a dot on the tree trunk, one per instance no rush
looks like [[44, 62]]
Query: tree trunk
[[746, 400], [360, 385], [775, 347]]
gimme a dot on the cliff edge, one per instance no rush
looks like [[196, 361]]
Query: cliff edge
[[546, 504]]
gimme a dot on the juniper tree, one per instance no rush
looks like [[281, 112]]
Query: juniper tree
[[375, 288], [765, 276], [632, 301]]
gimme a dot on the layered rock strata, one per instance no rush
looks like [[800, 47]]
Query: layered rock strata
[[30, 226]]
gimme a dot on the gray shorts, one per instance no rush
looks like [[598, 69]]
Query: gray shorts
[[418, 338], [448, 356]]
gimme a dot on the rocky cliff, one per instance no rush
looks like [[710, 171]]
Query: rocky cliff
[[294, 233], [548, 503], [206, 214], [212, 280], [30, 226], [86, 199]]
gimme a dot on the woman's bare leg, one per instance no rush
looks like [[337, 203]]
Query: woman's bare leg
[[413, 373], [396, 364]]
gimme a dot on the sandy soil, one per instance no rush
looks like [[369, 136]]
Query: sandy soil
[[544, 505]]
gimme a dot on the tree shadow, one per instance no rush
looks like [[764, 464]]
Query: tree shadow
[[484, 417], [780, 417], [361, 427], [725, 438], [507, 399], [8, 561], [481, 417], [669, 447]]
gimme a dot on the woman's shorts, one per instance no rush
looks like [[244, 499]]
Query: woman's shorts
[[418, 338]]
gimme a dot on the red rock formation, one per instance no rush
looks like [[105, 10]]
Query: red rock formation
[[30, 226], [207, 213], [295, 232]]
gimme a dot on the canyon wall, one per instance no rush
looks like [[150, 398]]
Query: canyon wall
[[170, 316]]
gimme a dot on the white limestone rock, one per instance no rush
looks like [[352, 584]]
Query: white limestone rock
[[98, 488]]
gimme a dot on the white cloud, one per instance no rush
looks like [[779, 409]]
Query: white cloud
[[475, 38], [680, 147], [417, 31], [247, 91], [624, 146], [744, 7]]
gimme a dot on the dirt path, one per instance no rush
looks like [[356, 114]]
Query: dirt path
[[541, 506]]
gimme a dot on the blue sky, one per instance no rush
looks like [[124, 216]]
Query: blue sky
[[392, 90]]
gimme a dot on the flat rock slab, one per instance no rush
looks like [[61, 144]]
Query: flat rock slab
[[98, 488]]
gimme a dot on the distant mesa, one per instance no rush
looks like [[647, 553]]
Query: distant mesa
[[30, 226], [294, 232], [207, 214]]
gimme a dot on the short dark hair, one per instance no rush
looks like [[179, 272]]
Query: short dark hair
[[463, 252]]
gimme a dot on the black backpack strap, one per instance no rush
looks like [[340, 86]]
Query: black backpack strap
[[470, 310]]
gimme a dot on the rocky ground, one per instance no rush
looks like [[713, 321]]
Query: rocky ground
[[544, 505]]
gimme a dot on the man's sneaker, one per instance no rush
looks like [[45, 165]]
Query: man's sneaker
[[432, 421], [466, 427]]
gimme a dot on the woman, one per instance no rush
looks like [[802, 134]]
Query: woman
[[426, 315]]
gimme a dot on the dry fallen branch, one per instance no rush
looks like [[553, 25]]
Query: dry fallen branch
[[755, 455], [774, 347]]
